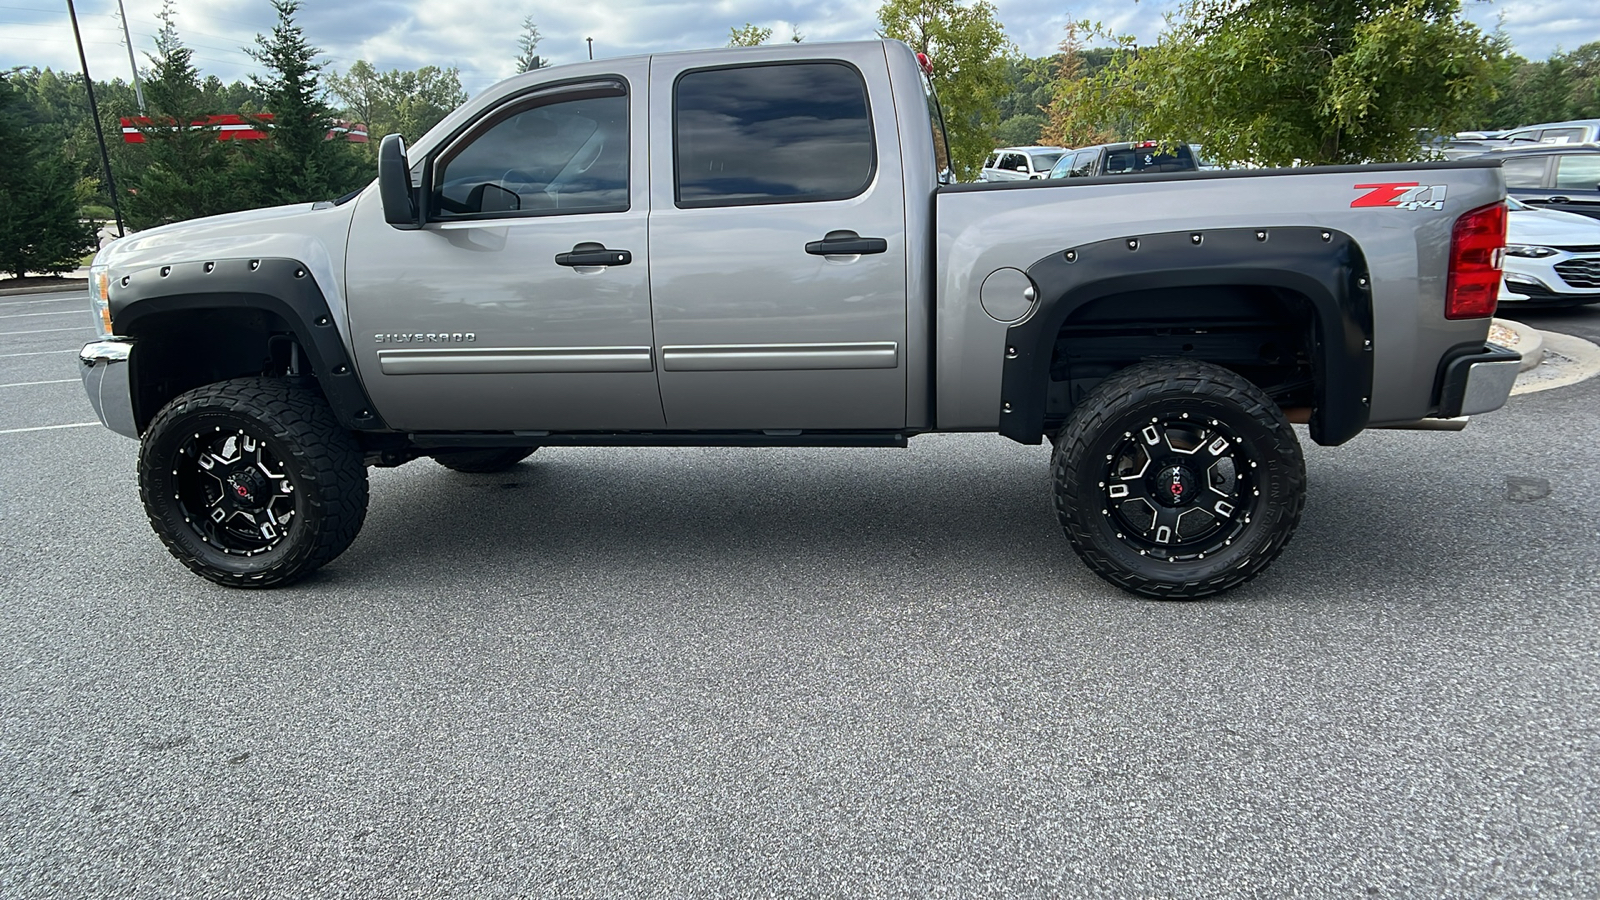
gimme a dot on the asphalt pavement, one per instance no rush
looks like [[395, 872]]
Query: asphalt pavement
[[850, 673]]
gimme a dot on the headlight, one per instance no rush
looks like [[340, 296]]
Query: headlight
[[1530, 252], [100, 298]]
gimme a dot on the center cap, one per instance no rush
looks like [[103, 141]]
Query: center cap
[[1174, 486], [244, 486]]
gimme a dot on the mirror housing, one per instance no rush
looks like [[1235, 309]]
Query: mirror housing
[[394, 185]]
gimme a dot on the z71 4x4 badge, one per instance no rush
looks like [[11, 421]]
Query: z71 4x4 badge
[[1400, 195]]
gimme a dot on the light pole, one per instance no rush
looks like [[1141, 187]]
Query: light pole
[[94, 113], [133, 66], [591, 47]]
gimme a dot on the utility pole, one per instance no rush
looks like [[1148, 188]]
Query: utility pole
[[94, 113], [591, 47], [138, 91]]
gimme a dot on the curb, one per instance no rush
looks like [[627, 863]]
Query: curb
[[1529, 342], [1568, 360], [71, 284]]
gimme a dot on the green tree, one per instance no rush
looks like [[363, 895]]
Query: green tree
[[186, 172], [528, 58], [749, 36], [298, 162], [1276, 82], [967, 48], [401, 102], [39, 226]]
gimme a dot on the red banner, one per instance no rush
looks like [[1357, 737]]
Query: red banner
[[234, 128]]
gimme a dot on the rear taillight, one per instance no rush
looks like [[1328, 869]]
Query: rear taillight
[[1477, 248]]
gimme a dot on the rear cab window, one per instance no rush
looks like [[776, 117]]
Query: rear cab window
[[772, 133]]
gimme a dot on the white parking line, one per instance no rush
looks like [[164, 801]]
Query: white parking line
[[33, 383], [64, 312], [42, 331], [49, 427], [36, 353]]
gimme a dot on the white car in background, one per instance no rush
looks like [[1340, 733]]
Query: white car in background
[[1020, 163], [1552, 258]]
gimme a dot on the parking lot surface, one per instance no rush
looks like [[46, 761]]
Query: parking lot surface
[[850, 673]]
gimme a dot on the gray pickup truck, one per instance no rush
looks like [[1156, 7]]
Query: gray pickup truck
[[759, 247]]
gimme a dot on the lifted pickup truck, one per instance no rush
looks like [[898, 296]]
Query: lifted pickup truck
[[757, 247]]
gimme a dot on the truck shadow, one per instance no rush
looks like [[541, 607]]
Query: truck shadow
[[973, 514]]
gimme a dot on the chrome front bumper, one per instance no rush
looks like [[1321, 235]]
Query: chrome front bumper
[[105, 380]]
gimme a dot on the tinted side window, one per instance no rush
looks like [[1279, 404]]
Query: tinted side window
[[1083, 164], [1578, 173], [772, 134], [560, 157], [1524, 171]]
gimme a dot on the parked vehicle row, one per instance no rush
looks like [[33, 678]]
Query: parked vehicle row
[[1122, 158]]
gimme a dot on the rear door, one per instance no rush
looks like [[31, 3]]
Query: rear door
[[777, 242]]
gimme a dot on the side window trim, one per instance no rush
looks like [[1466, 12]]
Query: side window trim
[[872, 134], [542, 95]]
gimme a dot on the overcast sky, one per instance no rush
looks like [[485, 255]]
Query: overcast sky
[[480, 36]]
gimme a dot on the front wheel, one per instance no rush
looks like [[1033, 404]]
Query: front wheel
[[1178, 479], [252, 482]]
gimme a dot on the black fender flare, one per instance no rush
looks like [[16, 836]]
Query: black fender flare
[[1324, 265], [283, 287]]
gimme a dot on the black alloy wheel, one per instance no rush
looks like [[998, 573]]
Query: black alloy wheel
[[1176, 478], [234, 491], [252, 482]]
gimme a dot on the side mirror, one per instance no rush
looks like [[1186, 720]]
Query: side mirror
[[394, 185]]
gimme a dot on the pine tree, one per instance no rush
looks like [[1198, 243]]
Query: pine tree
[[39, 226], [298, 162], [187, 171], [527, 59]]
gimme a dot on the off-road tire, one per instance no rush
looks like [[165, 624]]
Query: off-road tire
[[1159, 409], [302, 475], [478, 462]]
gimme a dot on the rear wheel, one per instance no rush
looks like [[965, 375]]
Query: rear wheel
[[1176, 478], [497, 459], [252, 482]]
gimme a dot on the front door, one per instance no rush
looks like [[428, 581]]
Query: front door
[[777, 244], [524, 302]]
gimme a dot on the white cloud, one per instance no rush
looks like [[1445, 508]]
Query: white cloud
[[480, 36]]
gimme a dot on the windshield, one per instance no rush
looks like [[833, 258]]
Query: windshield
[[1043, 161]]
